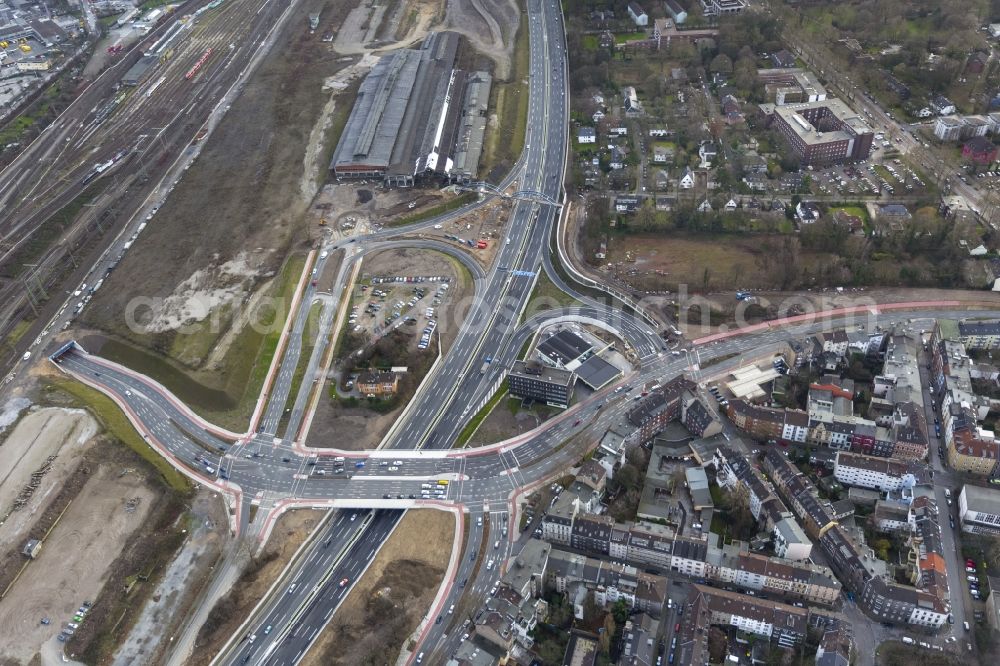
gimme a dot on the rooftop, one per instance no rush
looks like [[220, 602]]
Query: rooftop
[[597, 373], [539, 372], [983, 500], [563, 347], [807, 133]]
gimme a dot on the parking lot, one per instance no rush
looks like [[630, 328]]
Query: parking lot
[[387, 303], [891, 177]]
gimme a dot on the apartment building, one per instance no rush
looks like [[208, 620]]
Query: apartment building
[[970, 448], [773, 575], [783, 624], [557, 525], [979, 334], [979, 510], [663, 405], [883, 474], [927, 604], [608, 582], [735, 474]]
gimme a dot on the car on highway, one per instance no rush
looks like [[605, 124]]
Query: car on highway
[[344, 582], [576, 423]]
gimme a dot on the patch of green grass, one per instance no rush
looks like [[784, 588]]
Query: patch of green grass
[[461, 200], [308, 343], [860, 211], [114, 422], [231, 393], [338, 119], [17, 332], [504, 144], [626, 37], [470, 428], [546, 294], [524, 348], [590, 42]]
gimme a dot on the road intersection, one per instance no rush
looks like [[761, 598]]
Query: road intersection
[[276, 471]]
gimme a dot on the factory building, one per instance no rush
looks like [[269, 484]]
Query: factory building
[[416, 117]]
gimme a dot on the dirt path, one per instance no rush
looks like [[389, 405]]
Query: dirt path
[[46, 432], [209, 531], [387, 603], [73, 562], [361, 25], [490, 27]]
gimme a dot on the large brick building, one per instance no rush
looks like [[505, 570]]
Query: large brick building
[[822, 132]]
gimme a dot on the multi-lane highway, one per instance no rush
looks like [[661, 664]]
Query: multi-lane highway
[[272, 469], [478, 478]]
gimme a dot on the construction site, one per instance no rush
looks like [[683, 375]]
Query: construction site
[[416, 118]]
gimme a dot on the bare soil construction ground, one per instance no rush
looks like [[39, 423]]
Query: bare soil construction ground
[[336, 425], [771, 304], [60, 433], [75, 559], [208, 533], [388, 602], [484, 224], [289, 533], [231, 221], [351, 208], [490, 26], [386, 25]]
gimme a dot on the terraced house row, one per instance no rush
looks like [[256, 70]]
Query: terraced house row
[[924, 603]]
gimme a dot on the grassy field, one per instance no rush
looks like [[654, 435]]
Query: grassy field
[[546, 295], [15, 335], [703, 262], [225, 396], [470, 428], [590, 42], [116, 424], [505, 142], [345, 102], [626, 37]]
